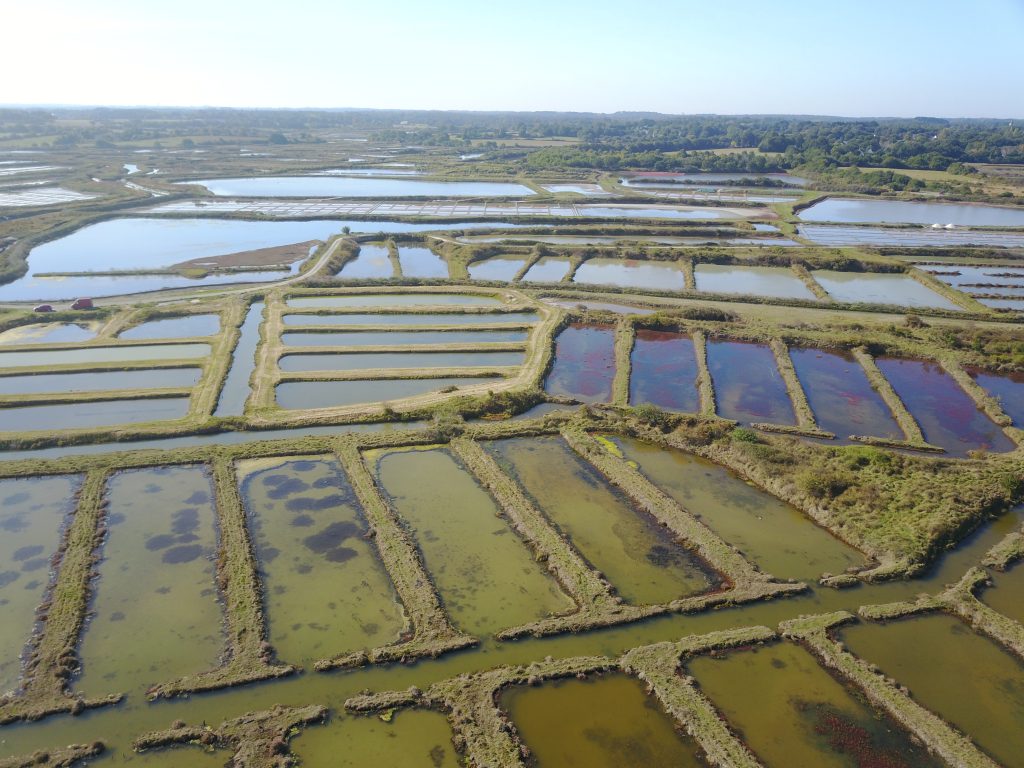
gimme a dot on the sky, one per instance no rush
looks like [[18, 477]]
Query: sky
[[942, 58]]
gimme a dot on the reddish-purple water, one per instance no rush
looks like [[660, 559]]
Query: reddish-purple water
[[748, 385], [948, 417], [584, 363], [1009, 388], [841, 396], [664, 371]]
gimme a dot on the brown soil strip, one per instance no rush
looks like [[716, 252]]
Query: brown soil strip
[[804, 415], [61, 757], [261, 257]]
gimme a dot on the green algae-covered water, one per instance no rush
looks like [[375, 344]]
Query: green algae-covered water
[[486, 575], [326, 590], [630, 548], [604, 722], [790, 712]]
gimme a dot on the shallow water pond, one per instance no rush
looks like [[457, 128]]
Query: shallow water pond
[[235, 391], [156, 614], [341, 186], [174, 328], [980, 690], [415, 738], [325, 588], [433, 319], [841, 396], [600, 306], [1008, 387], [1007, 592], [351, 361], [393, 300], [103, 355], [397, 338], [421, 262], [790, 711], [947, 416], [584, 363], [880, 288], [777, 282], [664, 371], [47, 333], [904, 212], [550, 269], [98, 382], [372, 261], [486, 575], [33, 513], [604, 722], [651, 276], [636, 554], [503, 268], [93, 414], [748, 385], [325, 394], [774, 536]]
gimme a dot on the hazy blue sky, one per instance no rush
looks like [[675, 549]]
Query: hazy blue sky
[[840, 57]]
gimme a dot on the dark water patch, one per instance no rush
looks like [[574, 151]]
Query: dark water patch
[[160, 541], [302, 521], [199, 497], [8, 577], [841, 396], [24, 553], [185, 521], [948, 417], [183, 554], [332, 536], [748, 385], [288, 487], [584, 363], [309, 504], [34, 565], [664, 371], [15, 498]]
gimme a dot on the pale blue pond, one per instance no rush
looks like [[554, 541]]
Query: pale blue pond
[[904, 212], [342, 186]]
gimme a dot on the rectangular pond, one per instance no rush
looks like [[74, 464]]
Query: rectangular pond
[[325, 589], [747, 382], [838, 236], [342, 186], [47, 333], [638, 556], [550, 269], [371, 261], [980, 689], [664, 371], [1007, 387], [294, 395], [903, 212], [33, 515], [411, 738], [106, 413], [421, 262], [486, 575], [156, 613], [792, 712], [65, 383], [351, 361], [605, 721], [422, 318], [583, 366], [100, 355], [776, 282], [881, 288], [775, 536], [235, 390], [503, 268], [947, 416], [186, 327], [398, 338], [392, 300], [840, 395], [1006, 594], [646, 275]]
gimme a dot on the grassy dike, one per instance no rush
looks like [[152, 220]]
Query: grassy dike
[[249, 655], [53, 657], [485, 735], [256, 739], [60, 757]]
